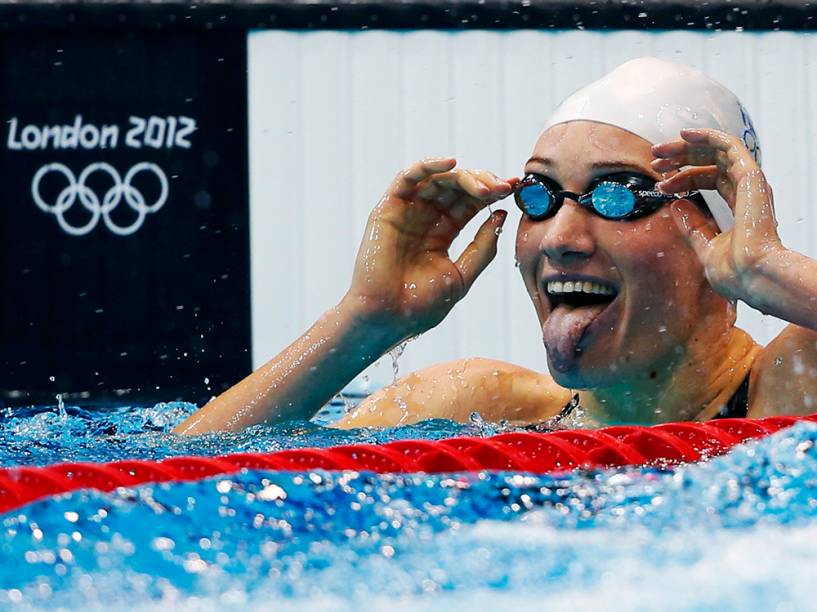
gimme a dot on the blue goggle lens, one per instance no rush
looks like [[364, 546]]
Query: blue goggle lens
[[613, 200], [536, 200]]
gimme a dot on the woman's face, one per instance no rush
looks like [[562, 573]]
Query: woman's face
[[658, 295]]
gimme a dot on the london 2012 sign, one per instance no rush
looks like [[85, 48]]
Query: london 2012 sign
[[146, 133]]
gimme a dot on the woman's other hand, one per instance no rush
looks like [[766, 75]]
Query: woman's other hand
[[404, 277], [741, 262]]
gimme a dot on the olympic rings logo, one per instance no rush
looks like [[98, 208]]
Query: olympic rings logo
[[77, 189], [749, 135]]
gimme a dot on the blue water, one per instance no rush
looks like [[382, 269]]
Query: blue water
[[739, 532]]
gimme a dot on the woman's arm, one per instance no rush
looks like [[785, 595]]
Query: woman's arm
[[301, 379], [404, 283], [495, 389]]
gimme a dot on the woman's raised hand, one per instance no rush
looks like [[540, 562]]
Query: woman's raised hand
[[404, 283], [404, 277], [739, 261]]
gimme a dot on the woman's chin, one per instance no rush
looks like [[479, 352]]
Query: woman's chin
[[572, 377], [579, 375]]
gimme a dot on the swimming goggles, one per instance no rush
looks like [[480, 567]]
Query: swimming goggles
[[619, 197]]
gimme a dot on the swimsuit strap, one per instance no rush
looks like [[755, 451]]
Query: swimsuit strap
[[552, 424]]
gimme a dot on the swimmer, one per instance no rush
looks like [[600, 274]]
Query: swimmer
[[646, 218]]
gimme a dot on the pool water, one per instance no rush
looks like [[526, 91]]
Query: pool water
[[737, 532]]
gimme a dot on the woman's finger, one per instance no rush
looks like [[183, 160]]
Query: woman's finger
[[712, 138], [739, 160], [463, 181], [406, 182], [471, 181], [497, 185], [695, 238], [696, 156], [429, 192], [482, 249], [691, 179], [464, 193], [466, 208], [665, 165], [457, 206], [696, 178], [691, 155], [437, 194], [669, 149], [704, 146]]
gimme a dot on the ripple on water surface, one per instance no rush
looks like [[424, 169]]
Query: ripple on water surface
[[736, 532]]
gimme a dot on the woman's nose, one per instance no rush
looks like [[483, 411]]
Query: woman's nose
[[567, 237]]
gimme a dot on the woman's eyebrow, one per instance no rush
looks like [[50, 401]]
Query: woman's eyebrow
[[632, 166]]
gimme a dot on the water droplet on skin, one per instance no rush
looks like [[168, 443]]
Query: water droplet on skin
[[797, 364], [778, 361], [498, 230], [404, 409]]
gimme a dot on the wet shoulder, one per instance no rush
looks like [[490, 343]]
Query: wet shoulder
[[498, 390], [784, 375], [512, 392]]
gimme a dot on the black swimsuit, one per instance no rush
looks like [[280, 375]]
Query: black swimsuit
[[736, 407]]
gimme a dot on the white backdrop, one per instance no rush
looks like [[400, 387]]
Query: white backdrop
[[334, 115]]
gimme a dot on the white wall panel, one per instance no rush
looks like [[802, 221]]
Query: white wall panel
[[275, 140], [334, 115]]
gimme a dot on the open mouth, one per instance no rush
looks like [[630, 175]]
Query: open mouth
[[579, 293], [574, 307]]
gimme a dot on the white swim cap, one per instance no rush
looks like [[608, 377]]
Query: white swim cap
[[655, 99]]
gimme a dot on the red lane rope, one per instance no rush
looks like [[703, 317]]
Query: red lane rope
[[559, 451]]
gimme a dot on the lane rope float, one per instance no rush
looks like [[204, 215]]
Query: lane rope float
[[662, 445]]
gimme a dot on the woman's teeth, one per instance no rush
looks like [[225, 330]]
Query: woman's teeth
[[562, 287]]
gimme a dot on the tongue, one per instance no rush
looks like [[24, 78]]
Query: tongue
[[564, 329]]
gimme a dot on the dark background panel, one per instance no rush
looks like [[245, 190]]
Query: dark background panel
[[406, 14], [152, 314]]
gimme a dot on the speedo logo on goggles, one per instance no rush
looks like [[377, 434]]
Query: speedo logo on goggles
[[619, 197]]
